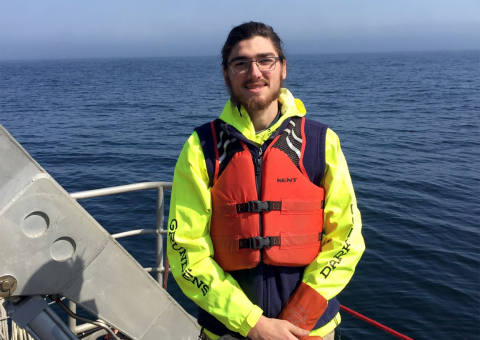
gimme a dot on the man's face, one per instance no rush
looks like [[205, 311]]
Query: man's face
[[255, 90]]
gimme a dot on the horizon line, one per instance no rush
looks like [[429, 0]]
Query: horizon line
[[212, 56]]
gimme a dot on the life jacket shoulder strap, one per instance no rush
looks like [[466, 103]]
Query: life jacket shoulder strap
[[313, 160], [303, 141], [218, 147], [207, 133]]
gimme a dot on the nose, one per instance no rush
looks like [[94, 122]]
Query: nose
[[254, 72]]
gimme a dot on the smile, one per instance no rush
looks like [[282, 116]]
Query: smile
[[254, 87]]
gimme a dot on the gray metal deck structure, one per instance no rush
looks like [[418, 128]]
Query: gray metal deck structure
[[51, 246]]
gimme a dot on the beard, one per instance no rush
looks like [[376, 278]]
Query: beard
[[255, 103]]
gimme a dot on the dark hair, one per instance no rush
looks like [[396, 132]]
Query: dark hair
[[249, 30]]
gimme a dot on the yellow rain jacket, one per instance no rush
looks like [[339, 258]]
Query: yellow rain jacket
[[190, 248]]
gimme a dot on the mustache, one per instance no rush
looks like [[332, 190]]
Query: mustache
[[252, 82]]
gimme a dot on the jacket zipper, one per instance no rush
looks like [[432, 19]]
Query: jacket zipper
[[258, 180]]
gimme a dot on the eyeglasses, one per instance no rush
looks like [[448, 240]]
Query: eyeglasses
[[264, 64]]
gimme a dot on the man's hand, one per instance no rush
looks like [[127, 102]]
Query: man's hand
[[274, 329]]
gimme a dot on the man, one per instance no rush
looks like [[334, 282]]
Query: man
[[264, 229]]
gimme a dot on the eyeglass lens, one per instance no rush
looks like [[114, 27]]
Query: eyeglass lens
[[263, 64]]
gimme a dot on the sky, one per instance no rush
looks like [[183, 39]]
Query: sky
[[61, 29]]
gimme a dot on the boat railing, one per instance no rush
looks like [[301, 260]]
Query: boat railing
[[161, 264], [159, 269]]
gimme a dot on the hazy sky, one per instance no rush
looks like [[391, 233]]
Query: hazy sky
[[44, 29]]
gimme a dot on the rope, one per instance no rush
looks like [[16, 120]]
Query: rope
[[19, 333], [375, 323], [3, 322]]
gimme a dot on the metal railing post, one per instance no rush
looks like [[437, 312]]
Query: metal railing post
[[160, 219], [159, 231], [72, 323]]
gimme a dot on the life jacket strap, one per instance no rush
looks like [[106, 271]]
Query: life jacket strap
[[258, 206], [259, 242]]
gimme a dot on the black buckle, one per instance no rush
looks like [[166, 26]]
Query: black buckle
[[260, 242], [258, 206]]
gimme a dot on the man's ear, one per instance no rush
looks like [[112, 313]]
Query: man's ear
[[284, 69]]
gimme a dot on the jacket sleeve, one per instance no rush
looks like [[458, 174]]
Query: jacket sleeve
[[190, 249], [342, 242]]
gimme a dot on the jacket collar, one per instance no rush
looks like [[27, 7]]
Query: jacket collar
[[238, 117]]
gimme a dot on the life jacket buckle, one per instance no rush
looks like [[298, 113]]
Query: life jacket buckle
[[258, 206], [261, 242]]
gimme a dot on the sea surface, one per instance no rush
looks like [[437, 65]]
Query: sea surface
[[409, 128]]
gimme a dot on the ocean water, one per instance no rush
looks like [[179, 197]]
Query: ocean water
[[409, 128]]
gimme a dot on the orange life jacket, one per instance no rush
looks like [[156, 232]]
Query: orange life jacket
[[281, 225]]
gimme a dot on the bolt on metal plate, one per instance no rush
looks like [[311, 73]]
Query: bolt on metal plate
[[8, 285]]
